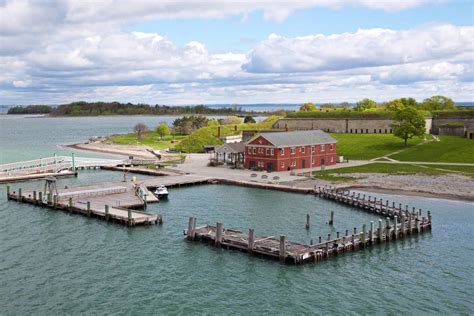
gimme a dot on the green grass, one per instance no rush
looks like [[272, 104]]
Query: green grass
[[448, 149], [369, 146], [151, 139], [341, 174]]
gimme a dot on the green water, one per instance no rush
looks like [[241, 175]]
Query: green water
[[53, 262]]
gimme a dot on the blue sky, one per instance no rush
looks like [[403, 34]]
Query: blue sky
[[215, 51], [241, 32]]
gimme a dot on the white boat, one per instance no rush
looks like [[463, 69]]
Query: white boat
[[161, 192]]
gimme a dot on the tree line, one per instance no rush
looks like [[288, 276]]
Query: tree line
[[30, 109]]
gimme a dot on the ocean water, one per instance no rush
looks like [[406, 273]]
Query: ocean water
[[53, 262]]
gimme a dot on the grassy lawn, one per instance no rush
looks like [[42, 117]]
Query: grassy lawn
[[151, 139], [341, 173], [448, 149], [369, 146]]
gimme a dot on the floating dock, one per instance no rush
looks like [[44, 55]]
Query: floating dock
[[111, 201], [297, 253]]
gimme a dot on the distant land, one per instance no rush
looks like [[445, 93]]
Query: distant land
[[255, 107]]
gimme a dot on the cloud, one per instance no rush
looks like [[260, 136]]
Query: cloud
[[364, 48], [78, 51]]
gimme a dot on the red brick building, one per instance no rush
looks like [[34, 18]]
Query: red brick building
[[290, 150]]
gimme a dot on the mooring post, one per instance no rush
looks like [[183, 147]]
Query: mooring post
[[371, 233], [40, 197], [219, 230], [282, 248], [251, 240], [190, 228], [393, 205], [73, 159], [329, 237], [129, 211], [89, 210], [355, 230], [19, 195], [319, 240], [106, 212], [395, 227], [70, 203], [387, 227], [55, 200], [410, 227], [400, 206], [363, 235], [347, 232], [419, 212], [417, 223], [380, 231], [8, 192], [331, 221], [34, 196], [337, 235], [49, 199], [429, 217], [406, 208], [307, 221], [403, 226]]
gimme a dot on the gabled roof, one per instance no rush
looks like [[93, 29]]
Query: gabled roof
[[298, 138], [231, 148]]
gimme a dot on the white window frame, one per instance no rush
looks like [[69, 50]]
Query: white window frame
[[250, 150], [272, 151], [254, 150], [282, 164], [293, 150], [302, 149], [267, 152], [313, 149], [331, 147], [322, 147], [282, 151]]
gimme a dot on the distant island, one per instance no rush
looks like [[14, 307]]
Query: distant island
[[116, 108]]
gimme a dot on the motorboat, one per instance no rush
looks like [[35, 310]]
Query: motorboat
[[161, 192]]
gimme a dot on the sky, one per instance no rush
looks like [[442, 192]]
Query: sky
[[234, 52]]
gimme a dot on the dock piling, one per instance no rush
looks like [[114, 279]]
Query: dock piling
[[380, 231], [387, 228], [106, 212], [40, 197], [34, 196], [251, 239], [403, 226], [219, 231], [429, 217], [89, 209], [363, 235], [371, 232], [282, 248], [395, 227], [307, 221], [129, 217], [190, 228], [8, 192], [20, 198], [331, 221]]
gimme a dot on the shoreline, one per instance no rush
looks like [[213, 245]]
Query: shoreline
[[435, 195], [370, 186]]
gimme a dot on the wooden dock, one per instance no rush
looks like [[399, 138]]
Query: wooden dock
[[375, 205], [297, 253], [111, 201]]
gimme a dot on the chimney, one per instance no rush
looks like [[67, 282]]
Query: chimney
[[218, 131]]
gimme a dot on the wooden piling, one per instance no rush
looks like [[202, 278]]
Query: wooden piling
[[190, 228], [106, 212], [387, 229], [380, 231], [89, 209], [363, 235], [251, 240], [395, 226], [20, 197], [219, 231], [8, 192], [282, 248], [307, 221], [320, 239], [417, 223], [49, 199], [429, 217], [371, 232], [55, 200], [331, 221], [34, 196], [40, 197], [129, 217], [403, 229]]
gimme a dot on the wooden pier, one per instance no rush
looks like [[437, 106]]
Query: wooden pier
[[111, 201], [297, 253], [375, 205]]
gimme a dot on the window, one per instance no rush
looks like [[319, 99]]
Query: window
[[385, 131], [375, 131], [322, 147], [312, 149], [332, 159], [351, 130], [272, 152], [302, 149], [312, 161], [293, 150], [282, 165], [254, 150], [367, 131], [293, 163], [380, 131], [282, 151], [331, 148], [250, 150], [267, 152]]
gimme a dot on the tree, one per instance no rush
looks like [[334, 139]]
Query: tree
[[409, 123], [308, 107], [327, 106], [438, 102], [365, 104], [394, 105], [231, 120], [163, 130], [249, 119], [140, 129]]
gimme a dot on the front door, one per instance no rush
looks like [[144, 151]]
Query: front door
[[322, 162], [270, 167], [303, 164]]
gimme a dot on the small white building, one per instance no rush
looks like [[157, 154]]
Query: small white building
[[232, 139]]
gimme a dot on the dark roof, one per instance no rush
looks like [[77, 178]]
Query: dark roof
[[298, 138], [232, 147]]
